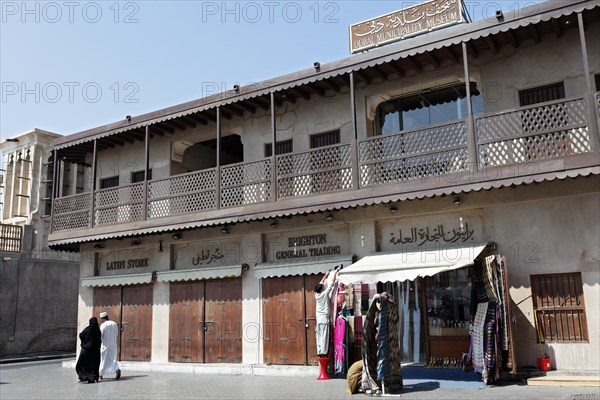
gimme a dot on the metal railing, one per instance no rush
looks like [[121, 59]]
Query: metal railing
[[543, 131]]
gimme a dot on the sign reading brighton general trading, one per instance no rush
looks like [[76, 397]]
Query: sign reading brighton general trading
[[399, 25]]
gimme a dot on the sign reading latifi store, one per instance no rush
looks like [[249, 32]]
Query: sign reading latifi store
[[399, 25]]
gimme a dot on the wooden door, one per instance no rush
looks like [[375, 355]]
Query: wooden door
[[136, 325], [284, 325], [223, 317], [185, 322], [310, 281], [108, 299]]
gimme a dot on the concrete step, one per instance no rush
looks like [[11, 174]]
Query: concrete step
[[564, 380]]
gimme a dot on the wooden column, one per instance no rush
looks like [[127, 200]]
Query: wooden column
[[274, 196], [592, 114], [470, 121], [146, 170], [93, 199], [218, 168], [354, 143]]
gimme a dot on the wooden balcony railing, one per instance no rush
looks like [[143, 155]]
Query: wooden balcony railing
[[543, 131]]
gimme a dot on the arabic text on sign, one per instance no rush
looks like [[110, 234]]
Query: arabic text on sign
[[424, 235]]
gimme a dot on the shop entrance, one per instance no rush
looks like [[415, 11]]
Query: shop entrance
[[289, 320], [131, 308], [205, 321]]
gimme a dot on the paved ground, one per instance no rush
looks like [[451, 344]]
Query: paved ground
[[49, 380]]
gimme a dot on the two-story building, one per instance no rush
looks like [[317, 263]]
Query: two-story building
[[204, 226]]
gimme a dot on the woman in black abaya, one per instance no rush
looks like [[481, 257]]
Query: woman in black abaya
[[88, 364]]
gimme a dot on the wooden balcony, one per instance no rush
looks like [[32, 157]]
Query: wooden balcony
[[547, 138]]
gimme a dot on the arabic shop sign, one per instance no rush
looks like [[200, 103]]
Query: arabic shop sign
[[127, 264], [399, 25], [308, 246], [438, 234], [207, 256]]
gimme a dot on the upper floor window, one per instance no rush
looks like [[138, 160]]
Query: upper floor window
[[324, 139], [428, 107], [559, 307], [597, 78], [109, 182], [541, 94], [138, 176], [282, 147]]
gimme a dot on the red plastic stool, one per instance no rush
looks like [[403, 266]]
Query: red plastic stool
[[323, 365]]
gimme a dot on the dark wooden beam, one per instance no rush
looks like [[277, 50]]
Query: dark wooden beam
[[329, 85], [492, 45], [198, 118], [557, 28], [433, 60], [341, 81], [361, 75], [155, 130], [247, 106], [451, 54], [164, 127], [299, 92], [188, 121], [413, 64], [534, 33], [513, 39], [175, 124], [375, 70], [315, 89], [235, 109], [257, 103], [472, 50]]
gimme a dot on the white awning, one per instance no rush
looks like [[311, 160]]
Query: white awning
[[301, 266], [391, 267], [197, 274], [117, 280]]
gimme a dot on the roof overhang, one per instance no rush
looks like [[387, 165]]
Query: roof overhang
[[117, 280], [308, 266], [434, 48], [231, 271]]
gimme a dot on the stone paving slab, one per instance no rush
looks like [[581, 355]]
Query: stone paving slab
[[49, 380]]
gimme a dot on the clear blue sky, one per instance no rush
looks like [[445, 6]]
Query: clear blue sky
[[68, 66]]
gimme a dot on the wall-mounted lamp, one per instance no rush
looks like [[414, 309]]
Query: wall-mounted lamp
[[160, 246], [98, 246], [274, 223], [176, 236], [393, 209], [457, 201], [499, 15], [317, 66], [128, 118], [329, 218], [236, 88], [136, 242], [225, 230]]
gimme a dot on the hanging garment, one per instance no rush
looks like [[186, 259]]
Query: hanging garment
[[358, 328], [380, 346], [477, 337], [339, 335]]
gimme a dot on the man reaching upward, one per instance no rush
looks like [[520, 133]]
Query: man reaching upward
[[322, 292]]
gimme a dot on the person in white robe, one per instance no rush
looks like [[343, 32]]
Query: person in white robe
[[109, 331]]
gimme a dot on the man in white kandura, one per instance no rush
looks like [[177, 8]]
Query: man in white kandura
[[109, 331], [323, 300]]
